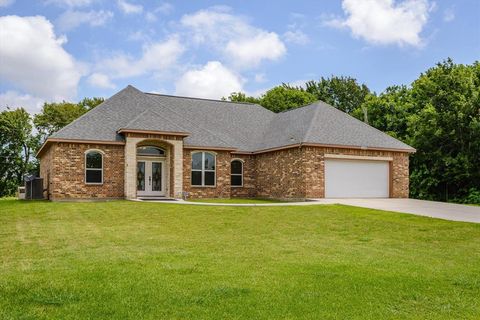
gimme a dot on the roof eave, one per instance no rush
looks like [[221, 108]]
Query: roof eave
[[307, 144], [50, 140], [158, 132]]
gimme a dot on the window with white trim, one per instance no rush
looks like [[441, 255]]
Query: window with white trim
[[236, 173], [203, 169], [94, 167]]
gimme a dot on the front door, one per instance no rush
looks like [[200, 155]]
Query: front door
[[150, 178]]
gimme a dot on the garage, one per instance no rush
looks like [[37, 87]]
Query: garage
[[357, 178]]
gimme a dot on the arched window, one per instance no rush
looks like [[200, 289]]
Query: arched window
[[203, 169], [236, 173], [94, 167], [150, 151]]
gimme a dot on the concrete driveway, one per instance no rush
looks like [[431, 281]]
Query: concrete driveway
[[441, 210]]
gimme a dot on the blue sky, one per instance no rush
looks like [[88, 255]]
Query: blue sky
[[69, 49]]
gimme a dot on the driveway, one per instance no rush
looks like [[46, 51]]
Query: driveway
[[441, 210]]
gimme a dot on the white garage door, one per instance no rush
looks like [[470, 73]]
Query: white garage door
[[356, 178]]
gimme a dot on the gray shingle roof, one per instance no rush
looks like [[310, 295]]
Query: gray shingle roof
[[213, 123]]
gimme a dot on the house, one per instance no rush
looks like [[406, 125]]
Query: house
[[138, 144]]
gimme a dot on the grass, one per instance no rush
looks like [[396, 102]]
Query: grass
[[238, 200], [131, 260]]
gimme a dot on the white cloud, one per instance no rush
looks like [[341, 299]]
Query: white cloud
[[100, 80], [129, 8], [34, 59], [6, 3], [242, 44], [163, 9], [296, 37], [14, 100], [250, 52], [70, 3], [71, 19], [156, 57], [448, 15], [212, 81], [384, 21]]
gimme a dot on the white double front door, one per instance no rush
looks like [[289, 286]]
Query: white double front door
[[150, 178]]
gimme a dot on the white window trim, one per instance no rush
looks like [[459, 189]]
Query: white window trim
[[203, 170], [236, 174], [93, 169]]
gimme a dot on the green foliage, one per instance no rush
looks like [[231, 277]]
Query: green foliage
[[438, 115], [17, 145], [278, 99], [389, 111], [284, 97], [90, 103], [343, 93], [445, 130], [242, 97], [57, 115]]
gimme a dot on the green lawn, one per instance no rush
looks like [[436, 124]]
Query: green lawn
[[133, 260]]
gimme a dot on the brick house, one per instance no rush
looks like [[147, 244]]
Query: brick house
[[138, 144]]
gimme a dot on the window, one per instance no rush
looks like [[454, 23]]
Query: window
[[150, 151], [236, 173], [93, 167], [203, 169]]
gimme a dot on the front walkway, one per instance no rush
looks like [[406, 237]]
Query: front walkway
[[440, 210]]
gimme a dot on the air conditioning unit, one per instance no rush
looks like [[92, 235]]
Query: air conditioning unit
[[21, 193]]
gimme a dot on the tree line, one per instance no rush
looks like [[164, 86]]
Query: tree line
[[21, 135], [438, 114]]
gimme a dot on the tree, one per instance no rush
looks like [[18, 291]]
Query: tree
[[343, 93], [90, 103], [17, 145], [446, 132], [388, 111], [285, 97], [57, 115], [242, 97]]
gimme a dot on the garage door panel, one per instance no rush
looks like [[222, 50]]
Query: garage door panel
[[356, 178]]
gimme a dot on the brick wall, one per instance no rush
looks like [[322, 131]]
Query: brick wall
[[222, 187], [46, 170], [289, 173], [67, 171], [281, 174]]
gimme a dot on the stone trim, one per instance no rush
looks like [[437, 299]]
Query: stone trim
[[353, 157]]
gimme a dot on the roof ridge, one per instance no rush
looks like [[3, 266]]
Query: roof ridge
[[204, 99], [135, 118], [185, 119], [310, 125], [149, 109], [95, 108], [300, 107]]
